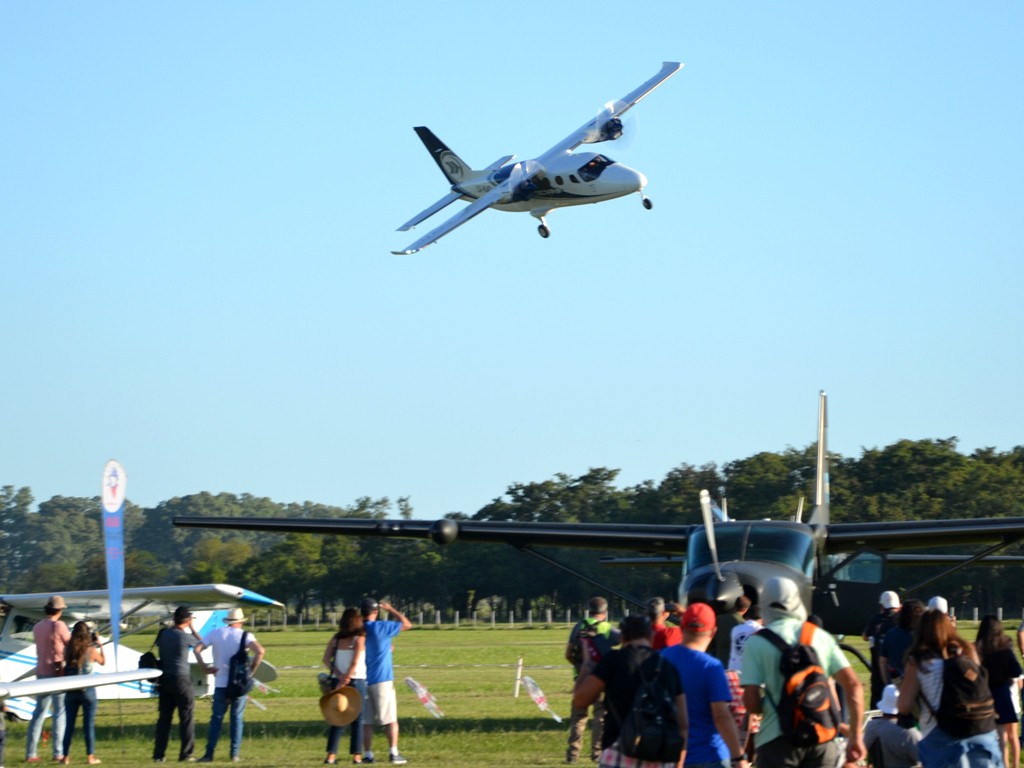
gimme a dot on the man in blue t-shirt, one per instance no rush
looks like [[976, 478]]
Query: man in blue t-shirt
[[713, 737], [380, 706]]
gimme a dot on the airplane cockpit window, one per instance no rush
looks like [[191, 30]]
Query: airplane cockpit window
[[728, 540], [592, 169], [791, 547], [781, 545], [863, 568], [21, 627]]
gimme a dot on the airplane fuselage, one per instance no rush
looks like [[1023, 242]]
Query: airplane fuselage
[[572, 179]]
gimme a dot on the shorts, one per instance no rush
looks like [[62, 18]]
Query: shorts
[[380, 701]]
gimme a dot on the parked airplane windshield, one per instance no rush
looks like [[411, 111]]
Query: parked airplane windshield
[[593, 169], [772, 543]]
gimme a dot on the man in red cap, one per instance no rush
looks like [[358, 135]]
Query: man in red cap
[[713, 736]]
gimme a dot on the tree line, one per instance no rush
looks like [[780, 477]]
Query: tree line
[[59, 546]]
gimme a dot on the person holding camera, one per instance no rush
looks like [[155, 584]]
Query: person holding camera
[[82, 653]]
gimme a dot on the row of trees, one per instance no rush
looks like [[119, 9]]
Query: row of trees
[[59, 546]]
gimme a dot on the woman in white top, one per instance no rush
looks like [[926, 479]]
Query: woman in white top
[[936, 640], [345, 657]]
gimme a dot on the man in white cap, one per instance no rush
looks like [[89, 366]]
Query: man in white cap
[[886, 618], [898, 745], [786, 617], [226, 641]]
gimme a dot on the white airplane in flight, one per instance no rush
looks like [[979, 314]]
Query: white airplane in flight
[[209, 602], [555, 179]]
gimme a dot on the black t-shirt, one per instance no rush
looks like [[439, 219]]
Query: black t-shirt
[[620, 670], [1002, 666]]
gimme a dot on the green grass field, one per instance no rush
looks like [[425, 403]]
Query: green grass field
[[471, 672]]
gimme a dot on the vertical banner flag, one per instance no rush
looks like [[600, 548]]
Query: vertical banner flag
[[115, 485]]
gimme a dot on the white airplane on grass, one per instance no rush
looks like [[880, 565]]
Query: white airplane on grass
[[555, 179], [209, 602]]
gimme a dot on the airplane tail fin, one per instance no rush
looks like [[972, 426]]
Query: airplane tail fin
[[454, 168], [820, 515]]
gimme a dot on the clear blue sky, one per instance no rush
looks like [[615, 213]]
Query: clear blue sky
[[199, 200]]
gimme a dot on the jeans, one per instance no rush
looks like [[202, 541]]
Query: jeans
[[176, 693], [355, 741], [220, 706], [35, 727], [940, 750], [86, 701]]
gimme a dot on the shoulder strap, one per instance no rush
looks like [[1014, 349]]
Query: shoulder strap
[[241, 647], [773, 638]]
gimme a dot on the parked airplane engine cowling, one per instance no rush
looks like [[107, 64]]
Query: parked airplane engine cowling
[[610, 130], [720, 595]]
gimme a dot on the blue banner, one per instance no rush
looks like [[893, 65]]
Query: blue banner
[[115, 486]]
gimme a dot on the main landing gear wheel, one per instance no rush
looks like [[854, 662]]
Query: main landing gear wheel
[[544, 231], [648, 204]]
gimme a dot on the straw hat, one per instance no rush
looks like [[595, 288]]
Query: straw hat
[[342, 706], [234, 616]]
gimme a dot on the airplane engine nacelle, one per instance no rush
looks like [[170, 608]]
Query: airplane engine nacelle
[[610, 130], [444, 531]]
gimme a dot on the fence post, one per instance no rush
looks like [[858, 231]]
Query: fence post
[[456, 619], [519, 677], [511, 618], [494, 618], [437, 618]]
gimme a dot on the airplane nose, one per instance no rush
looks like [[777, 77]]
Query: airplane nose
[[624, 179]]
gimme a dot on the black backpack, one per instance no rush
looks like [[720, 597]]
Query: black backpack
[[650, 731], [240, 672], [807, 709], [591, 644], [966, 707]]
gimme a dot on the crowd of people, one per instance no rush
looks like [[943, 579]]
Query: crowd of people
[[729, 680], [63, 652], [942, 701]]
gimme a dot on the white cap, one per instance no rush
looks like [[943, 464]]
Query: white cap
[[889, 599], [938, 604], [887, 704]]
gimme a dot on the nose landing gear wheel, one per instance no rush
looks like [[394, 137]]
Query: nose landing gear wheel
[[648, 204], [544, 231]]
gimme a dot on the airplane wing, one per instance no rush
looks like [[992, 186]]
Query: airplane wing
[[74, 682], [593, 130], [841, 537], [473, 209], [915, 534], [644, 538], [143, 601]]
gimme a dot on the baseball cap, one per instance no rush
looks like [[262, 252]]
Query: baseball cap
[[699, 617], [367, 606], [889, 599], [939, 604]]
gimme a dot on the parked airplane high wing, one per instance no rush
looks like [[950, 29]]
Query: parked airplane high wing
[[75, 682], [209, 603], [841, 568], [555, 179]]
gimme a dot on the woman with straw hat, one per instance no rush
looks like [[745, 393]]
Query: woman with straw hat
[[345, 657]]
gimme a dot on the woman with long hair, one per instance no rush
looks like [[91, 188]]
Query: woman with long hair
[[345, 657], [997, 656], [81, 654], [935, 641]]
